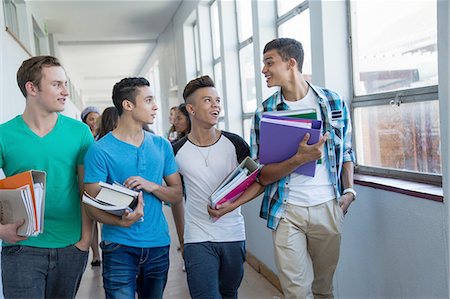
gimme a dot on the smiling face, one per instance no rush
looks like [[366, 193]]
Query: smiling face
[[144, 109], [51, 94], [275, 69], [205, 106]]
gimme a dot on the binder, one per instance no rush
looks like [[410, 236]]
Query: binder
[[235, 183], [280, 141], [22, 196]]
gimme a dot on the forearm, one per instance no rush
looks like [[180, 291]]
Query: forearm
[[178, 217], [171, 194], [102, 216], [347, 174], [274, 172], [86, 228], [251, 193]]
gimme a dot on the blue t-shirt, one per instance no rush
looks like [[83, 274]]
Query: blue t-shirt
[[112, 160]]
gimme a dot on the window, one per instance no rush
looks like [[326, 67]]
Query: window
[[395, 107], [217, 62], [197, 49], [398, 53], [214, 13], [295, 24], [243, 11], [247, 72], [11, 21], [283, 6]]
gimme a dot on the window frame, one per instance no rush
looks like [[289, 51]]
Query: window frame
[[397, 97]]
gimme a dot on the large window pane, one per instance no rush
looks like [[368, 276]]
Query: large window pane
[[395, 45], [298, 28], [214, 12], [247, 68], [404, 137], [244, 14]]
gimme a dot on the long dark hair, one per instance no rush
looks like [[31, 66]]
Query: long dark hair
[[109, 121], [182, 109]]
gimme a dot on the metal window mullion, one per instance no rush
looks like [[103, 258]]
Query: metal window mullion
[[217, 60], [292, 13], [423, 94], [427, 178], [245, 43]]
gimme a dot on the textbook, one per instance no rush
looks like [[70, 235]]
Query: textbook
[[22, 196], [280, 138], [113, 198], [235, 183]]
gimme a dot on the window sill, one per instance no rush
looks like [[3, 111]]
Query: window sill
[[420, 190]]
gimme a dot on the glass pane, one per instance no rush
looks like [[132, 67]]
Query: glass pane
[[244, 16], [283, 6], [299, 28], [10, 12], [218, 83], [395, 45], [221, 124], [247, 68], [214, 12], [247, 128], [403, 138], [197, 49]]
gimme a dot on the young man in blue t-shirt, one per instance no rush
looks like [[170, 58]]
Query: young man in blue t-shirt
[[135, 247]]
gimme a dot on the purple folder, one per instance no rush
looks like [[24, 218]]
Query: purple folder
[[315, 124], [280, 142]]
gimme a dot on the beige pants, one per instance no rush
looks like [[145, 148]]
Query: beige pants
[[306, 246]]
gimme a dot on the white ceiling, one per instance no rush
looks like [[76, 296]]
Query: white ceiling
[[100, 42]]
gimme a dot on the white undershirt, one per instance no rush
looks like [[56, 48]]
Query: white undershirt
[[304, 190]]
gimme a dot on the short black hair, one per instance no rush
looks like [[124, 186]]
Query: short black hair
[[126, 89], [197, 83], [287, 48]]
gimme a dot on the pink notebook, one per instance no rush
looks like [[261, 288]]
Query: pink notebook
[[236, 182]]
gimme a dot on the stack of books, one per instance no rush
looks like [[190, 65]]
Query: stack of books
[[281, 133], [235, 183], [22, 196], [113, 198]]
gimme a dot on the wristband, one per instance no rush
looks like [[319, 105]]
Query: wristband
[[350, 190]]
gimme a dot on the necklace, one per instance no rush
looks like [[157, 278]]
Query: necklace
[[195, 143], [206, 158]]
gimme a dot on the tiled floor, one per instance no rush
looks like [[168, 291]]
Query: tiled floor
[[253, 285]]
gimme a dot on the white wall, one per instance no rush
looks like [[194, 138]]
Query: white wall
[[393, 246]]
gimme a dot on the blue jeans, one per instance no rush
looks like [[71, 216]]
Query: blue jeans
[[127, 270], [31, 272], [214, 269]]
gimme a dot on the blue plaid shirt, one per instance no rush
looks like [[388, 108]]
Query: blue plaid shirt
[[336, 121]]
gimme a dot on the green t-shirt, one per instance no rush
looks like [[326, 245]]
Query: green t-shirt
[[58, 154]]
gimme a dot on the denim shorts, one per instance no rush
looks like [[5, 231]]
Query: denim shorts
[[32, 272], [127, 270]]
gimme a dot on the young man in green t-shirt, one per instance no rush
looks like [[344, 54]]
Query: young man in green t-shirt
[[49, 265]]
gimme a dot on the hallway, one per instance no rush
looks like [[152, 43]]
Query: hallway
[[253, 285]]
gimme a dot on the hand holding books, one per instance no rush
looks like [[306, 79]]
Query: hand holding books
[[131, 216], [8, 232]]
